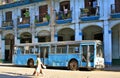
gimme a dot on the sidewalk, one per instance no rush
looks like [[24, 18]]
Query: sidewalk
[[112, 68]]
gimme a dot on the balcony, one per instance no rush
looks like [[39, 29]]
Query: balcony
[[23, 22], [89, 14], [42, 21], [62, 17], [7, 24], [115, 11]]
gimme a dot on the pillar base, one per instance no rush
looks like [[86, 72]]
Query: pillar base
[[108, 64]]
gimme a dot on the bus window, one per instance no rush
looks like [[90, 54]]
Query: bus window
[[20, 50], [88, 53], [44, 52], [99, 51], [84, 53], [73, 49], [91, 51], [26, 48], [61, 49], [31, 50], [53, 50], [37, 50]]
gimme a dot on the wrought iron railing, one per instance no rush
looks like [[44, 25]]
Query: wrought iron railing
[[63, 15], [39, 19], [7, 23], [23, 20], [89, 11]]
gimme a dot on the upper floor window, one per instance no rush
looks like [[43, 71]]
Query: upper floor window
[[91, 7], [117, 6], [8, 16], [25, 12], [65, 5], [90, 3], [43, 11]]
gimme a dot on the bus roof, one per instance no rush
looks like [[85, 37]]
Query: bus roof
[[59, 43]]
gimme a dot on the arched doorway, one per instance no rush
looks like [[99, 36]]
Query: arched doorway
[[26, 37], [66, 34], [9, 47], [116, 45], [44, 36], [92, 33]]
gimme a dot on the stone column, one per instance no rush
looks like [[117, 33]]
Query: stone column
[[14, 18], [106, 9], [77, 32], [52, 19], [56, 35], [36, 10], [3, 48], [107, 44], [72, 8], [76, 11], [32, 24], [0, 36]]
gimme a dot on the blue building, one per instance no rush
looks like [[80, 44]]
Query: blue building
[[33, 21]]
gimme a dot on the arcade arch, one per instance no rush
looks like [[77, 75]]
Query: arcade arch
[[66, 34], [25, 37], [92, 33], [116, 44]]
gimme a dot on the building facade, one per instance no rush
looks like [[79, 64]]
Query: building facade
[[35, 21]]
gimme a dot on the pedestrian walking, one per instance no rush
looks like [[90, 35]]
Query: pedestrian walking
[[38, 70]]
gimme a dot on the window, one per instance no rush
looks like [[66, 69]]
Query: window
[[73, 49], [23, 11], [43, 11], [53, 49], [64, 5], [8, 16], [99, 51], [60, 38], [61, 49]]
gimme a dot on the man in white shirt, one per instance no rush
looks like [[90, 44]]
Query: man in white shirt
[[39, 65]]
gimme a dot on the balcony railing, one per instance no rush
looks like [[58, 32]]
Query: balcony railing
[[39, 19], [89, 11], [23, 20], [42, 21], [7, 23], [61, 15], [115, 8]]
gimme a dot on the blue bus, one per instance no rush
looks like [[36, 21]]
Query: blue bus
[[71, 54]]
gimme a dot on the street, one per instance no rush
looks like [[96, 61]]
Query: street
[[11, 71]]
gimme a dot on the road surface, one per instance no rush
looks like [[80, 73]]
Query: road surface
[[11, 71]]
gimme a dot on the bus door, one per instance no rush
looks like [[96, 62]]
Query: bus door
[[87, 56], [44, 54]]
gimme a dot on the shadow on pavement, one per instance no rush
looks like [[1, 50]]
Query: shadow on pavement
[[13, 75], [11, 65]]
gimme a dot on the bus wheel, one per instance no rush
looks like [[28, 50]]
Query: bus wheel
[[30, 63], [73, 65]]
